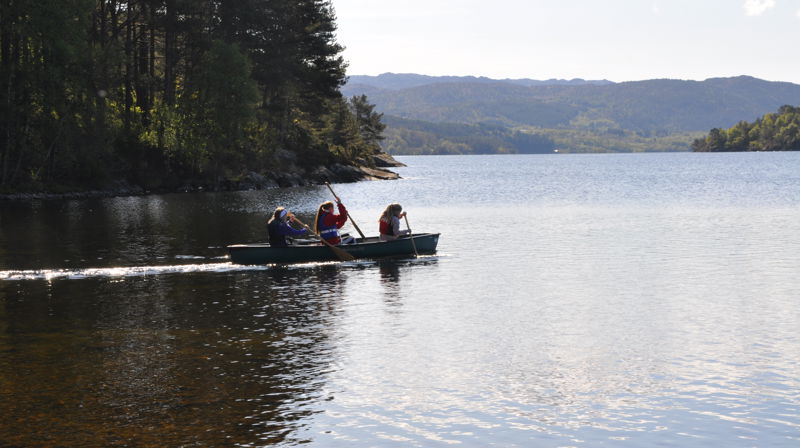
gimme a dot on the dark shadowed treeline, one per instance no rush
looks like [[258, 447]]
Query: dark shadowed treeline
[[161, 92], [772, 132]]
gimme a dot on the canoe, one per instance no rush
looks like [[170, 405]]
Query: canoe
[[307, 251]]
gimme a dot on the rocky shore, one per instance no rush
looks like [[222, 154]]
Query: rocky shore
[[291, 175]]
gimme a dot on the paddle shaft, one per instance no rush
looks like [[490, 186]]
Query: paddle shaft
[[411, 236], [340, 254], [348, 214]]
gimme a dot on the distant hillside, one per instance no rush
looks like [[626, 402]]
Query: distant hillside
[[424, 138], [396, 81], [577, 114]]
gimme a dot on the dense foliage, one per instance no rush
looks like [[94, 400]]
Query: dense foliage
[[661, 114], [616, 140], [772, 132], [165, 91]]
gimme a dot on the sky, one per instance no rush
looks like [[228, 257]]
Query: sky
[[617, 40]]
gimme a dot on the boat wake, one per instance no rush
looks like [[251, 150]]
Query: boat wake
[[143, 271], [126, 271]]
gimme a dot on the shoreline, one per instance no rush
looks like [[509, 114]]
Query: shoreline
[[297, 177]]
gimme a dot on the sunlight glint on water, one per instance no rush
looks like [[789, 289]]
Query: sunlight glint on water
[[637, 300]]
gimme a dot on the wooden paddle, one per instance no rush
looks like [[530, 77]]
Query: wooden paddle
[[340, 254], [411, 235], [348, 215]]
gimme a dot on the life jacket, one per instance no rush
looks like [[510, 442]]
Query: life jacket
[[329, 233], [386, 227]]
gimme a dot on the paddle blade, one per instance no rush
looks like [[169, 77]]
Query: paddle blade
[[341, 254]]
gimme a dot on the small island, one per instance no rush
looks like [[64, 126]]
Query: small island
[[773, 132]]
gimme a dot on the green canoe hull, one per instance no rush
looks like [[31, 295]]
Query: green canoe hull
[[369, 247]]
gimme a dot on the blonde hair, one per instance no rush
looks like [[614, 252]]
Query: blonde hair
[[324, 205], [391, 210]]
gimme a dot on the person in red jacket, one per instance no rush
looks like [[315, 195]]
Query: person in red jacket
[[327, 223]]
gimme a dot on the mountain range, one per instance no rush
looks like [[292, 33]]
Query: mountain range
[[450, 114], [397, 81]]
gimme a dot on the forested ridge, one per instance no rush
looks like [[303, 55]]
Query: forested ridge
[[162, 93], [773, 132], [425, 138], [576, 116]]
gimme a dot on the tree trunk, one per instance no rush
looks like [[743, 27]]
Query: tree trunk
[[5, 84], [151, 86], [169, 53], [128, 66], [15, 132], [142, 63]]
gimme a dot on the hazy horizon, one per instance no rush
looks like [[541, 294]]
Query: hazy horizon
[[618, 40], [563, 79]]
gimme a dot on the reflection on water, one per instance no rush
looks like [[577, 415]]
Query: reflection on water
[[612, 300], [174, 363]]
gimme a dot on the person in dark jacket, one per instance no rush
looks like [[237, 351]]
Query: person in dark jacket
[[279, 228]]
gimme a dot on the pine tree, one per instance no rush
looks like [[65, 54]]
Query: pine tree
[[93, 90]]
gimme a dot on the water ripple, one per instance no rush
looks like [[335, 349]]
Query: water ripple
[[124, 271]]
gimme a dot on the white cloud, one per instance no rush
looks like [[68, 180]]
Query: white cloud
[[757, 7], [656, 9]]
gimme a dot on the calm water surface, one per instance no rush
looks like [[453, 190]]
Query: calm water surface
[[640, 300]]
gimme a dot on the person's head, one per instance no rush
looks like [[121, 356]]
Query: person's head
[[391, 210], [325, 207], [280, 213]]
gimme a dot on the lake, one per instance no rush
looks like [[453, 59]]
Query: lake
[[640, 300]]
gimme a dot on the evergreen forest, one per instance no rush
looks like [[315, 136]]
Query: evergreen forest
[[773, 132], [161, 93]]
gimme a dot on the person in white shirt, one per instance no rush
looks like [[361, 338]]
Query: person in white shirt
[[389, 223]]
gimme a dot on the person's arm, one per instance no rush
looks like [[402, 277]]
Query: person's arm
[[396, 227], [288, 230], [341, 218]]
